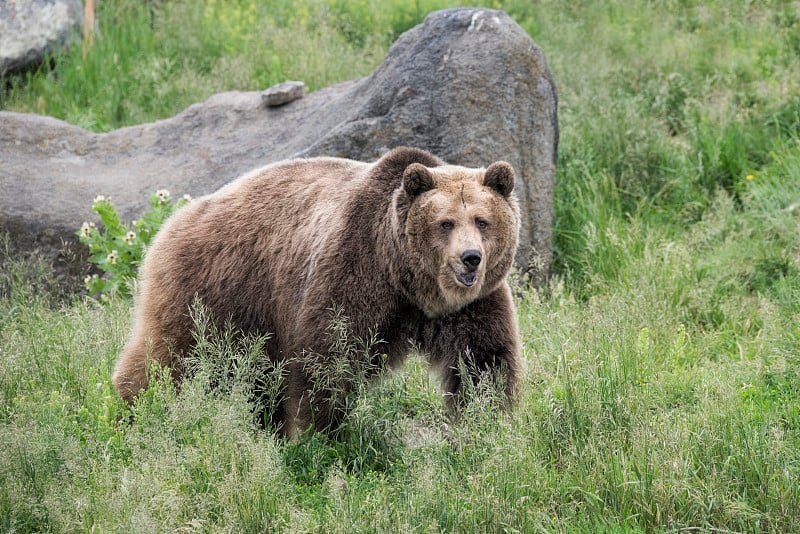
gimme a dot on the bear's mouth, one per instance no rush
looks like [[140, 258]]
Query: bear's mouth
[[468, 279]]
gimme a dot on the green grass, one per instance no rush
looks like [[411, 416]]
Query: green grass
[[662, 383]]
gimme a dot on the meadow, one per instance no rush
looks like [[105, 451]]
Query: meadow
[[662, 362]]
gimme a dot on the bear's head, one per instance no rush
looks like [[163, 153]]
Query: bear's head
[[461, 228]]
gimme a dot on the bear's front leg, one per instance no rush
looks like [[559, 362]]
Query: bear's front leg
[[481, 341]]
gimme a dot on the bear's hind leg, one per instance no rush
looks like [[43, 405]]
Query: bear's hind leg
[[131, 372]]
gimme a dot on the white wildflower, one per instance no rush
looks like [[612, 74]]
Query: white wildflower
[[112, 257], [163, 195], [187, 198], [130, 237], [86, 228]]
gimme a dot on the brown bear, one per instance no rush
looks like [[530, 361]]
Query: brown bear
[[410, 249]]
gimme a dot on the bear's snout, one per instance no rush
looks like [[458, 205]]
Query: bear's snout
[[471, 259]]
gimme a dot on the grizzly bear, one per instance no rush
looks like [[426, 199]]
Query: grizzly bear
[[410, 249]]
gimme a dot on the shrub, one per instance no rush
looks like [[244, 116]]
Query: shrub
[[117, 248]]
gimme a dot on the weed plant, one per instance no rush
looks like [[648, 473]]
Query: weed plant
[[117, 248], [661, 389]]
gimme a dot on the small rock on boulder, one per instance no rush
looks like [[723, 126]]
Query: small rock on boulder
[[283, 93]]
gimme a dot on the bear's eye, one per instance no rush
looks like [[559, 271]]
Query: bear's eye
[[447, 225], [481, 224]]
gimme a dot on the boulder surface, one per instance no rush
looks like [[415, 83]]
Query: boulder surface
[[469, 85], [31, 28]]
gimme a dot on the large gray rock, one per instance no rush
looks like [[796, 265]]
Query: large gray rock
[[31, 28], [468, 85]]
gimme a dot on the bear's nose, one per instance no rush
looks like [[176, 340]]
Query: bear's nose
[[471, 259]]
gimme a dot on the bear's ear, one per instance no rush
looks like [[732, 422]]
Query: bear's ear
[[500, 177], [417, 179]]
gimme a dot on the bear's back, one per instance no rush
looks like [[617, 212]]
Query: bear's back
[[249, 250]]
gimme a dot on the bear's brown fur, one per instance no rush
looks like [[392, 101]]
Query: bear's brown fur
[[408, 248]]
